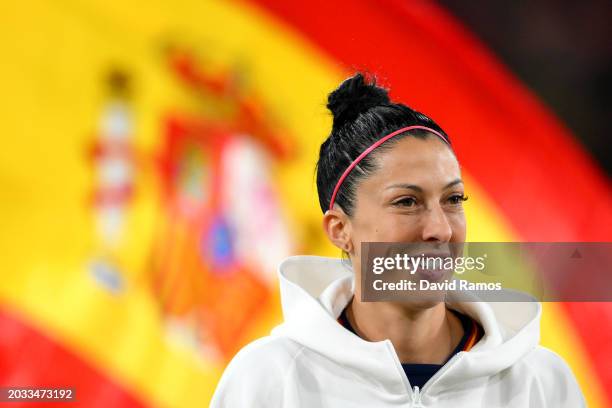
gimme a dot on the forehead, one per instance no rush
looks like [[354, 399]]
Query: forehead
[[427, 162]]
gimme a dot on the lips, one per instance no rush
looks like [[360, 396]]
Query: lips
[[433, 274], [435, 255]]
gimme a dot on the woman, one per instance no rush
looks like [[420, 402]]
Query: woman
[[388, 173]]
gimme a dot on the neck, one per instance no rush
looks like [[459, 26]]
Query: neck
[[419, 335]]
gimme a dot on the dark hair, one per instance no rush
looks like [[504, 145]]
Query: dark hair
[[362, 114]]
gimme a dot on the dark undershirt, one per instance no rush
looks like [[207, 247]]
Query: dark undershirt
[[419, 374]]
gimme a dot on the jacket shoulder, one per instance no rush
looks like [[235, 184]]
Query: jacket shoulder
[[555, 378], [255, 374]]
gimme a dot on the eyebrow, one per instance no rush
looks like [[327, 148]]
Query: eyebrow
[[419, 189]]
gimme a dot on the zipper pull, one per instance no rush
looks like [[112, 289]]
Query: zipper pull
[[416, 397]]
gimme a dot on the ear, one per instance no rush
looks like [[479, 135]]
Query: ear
[[337, 226]]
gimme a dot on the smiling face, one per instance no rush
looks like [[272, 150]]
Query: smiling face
[[414, 195]]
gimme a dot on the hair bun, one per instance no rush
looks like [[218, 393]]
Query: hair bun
[[354, 96]]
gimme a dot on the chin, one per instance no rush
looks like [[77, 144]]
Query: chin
[[424, 301]]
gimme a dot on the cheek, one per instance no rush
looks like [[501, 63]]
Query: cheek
[[458, 225], [367, 228], [388, 228], [402, 228], [398, 228]]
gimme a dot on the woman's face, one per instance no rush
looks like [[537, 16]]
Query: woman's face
[[413, 196]]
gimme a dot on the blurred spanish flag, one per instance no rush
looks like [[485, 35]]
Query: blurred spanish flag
[[157, 162]]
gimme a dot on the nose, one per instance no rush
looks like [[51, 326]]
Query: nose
[[436, 226]]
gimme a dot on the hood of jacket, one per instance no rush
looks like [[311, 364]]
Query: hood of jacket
[[314, 291]]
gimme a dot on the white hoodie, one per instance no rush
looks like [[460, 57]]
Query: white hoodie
[[311, 360]]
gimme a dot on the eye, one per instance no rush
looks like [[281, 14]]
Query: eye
[[406, 202], [457, 199]]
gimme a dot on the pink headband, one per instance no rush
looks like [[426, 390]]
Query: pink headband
[[374, 146]]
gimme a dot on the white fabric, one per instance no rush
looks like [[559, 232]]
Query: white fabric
[[310, 360]]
